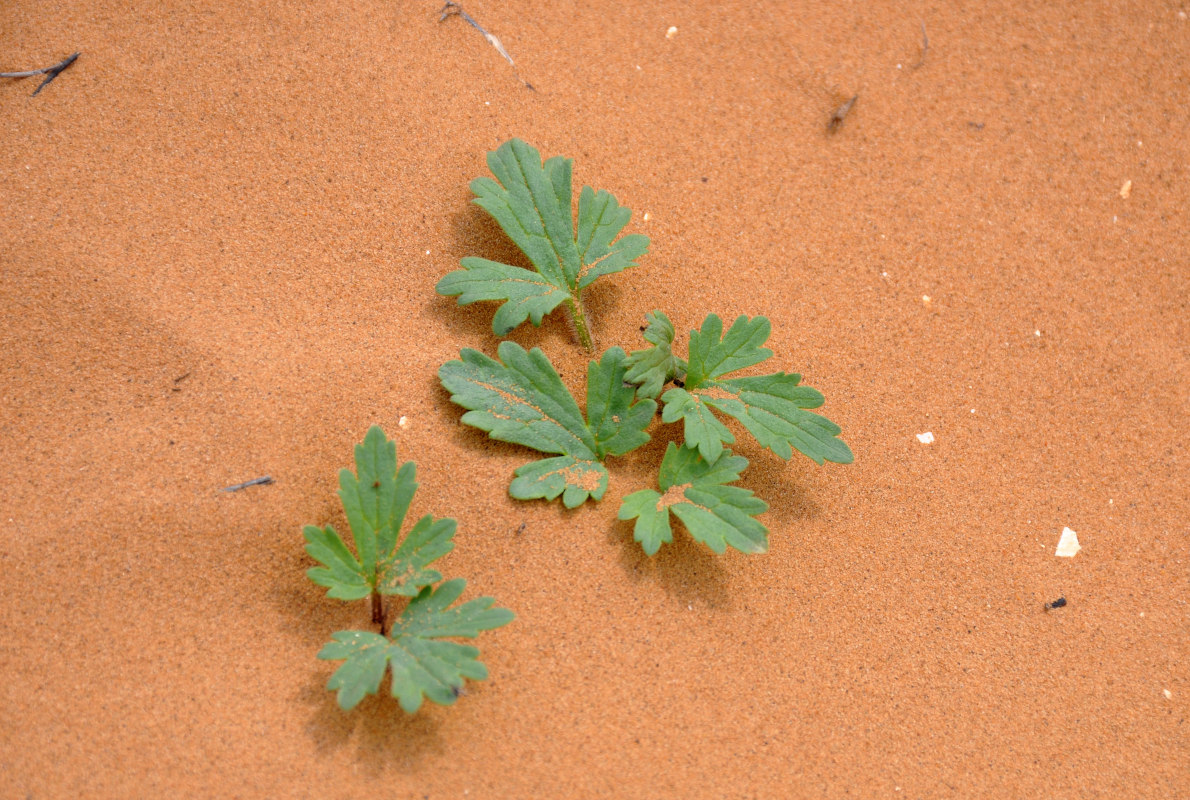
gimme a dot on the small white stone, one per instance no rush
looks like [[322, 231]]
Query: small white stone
[[403, 422], [925, 298], [1168, 694], [925, 438], [1036, 333], [1068, 545], [427, 252], [672, 32], [646, 216]]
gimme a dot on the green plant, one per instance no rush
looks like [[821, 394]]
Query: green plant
[[532, 203], [376, 500], [770, 407], [521, 399], [524, 401], [695, 491]]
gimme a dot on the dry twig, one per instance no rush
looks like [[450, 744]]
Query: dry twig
[[49, 72], [254, 482], [454, 9], [925, 47]]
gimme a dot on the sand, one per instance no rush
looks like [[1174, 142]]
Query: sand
[[220, 231]]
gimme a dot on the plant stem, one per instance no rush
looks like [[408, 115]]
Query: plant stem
[[378, 611], [575, 307]]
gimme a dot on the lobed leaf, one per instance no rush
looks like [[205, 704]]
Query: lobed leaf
[[770, 407], [695, 491], [655, 366], [531, 202], [521, 399], [422, 665], [376, 500]]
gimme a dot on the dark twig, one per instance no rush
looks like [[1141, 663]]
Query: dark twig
[[840, 114], [925, 47], [254, 482], [49, 72], [452, 9], [1061, 601]]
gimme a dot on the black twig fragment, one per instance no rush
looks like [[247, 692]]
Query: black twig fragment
[[840, 114], [49, 72], [925, 47], [452, 9], [254, 482], [1061, 601]]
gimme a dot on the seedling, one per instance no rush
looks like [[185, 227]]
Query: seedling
[[532, 203], [376, 500], [524, 401], [770, 407], [521, 399]]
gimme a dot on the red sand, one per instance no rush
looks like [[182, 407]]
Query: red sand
[[261, 197]]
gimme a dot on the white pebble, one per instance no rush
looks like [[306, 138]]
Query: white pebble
[[1068, 545], [925, 438], [672, 32], [403, 422]]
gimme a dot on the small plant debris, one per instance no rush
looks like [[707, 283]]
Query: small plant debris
[[49, 72], [454, 9], [254, 482], [840, 114], [1061, 601]]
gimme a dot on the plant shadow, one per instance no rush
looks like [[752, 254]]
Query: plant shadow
[[688, 570], [381, 732]]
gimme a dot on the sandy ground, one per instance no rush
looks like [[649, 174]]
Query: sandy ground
[[221, 230]]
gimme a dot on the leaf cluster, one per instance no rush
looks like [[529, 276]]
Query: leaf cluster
[[520, 398], [376, 500]]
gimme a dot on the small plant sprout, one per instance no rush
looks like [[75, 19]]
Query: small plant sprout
[[376, 499], [696, 492], [524, 401], [770, 407], [655, 366], [531, 202]]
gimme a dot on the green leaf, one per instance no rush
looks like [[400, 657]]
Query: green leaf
[[422, 665], [655, 366], [694, 490], [531, 201], [376, 499], [770, 407], [521, 399]]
